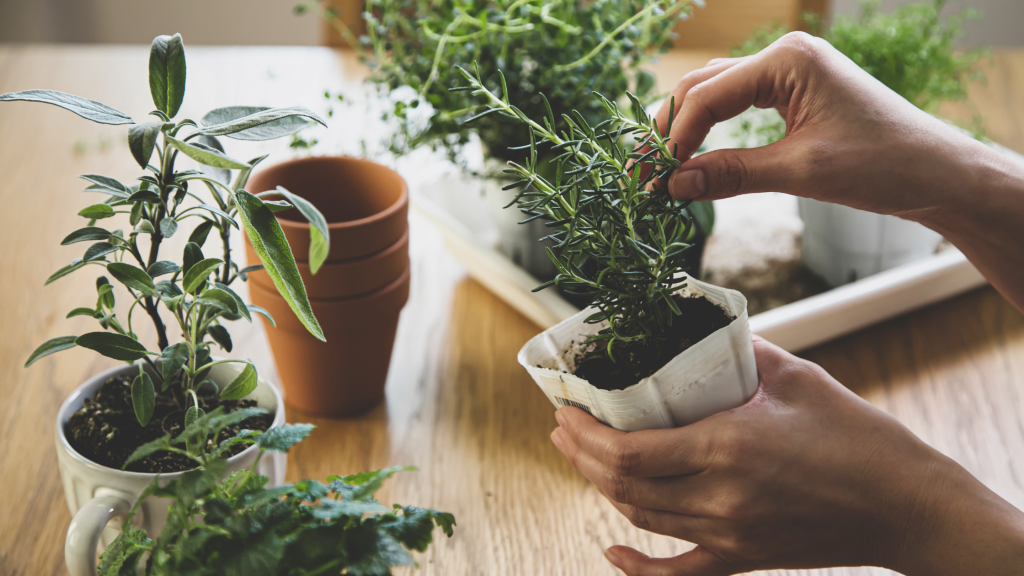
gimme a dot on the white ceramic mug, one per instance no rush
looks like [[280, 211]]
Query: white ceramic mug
[[99, 497]]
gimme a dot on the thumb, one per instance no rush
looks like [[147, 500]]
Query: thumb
[[697, 562], [727, 173]]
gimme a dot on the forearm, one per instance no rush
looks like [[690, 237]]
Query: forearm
[[985, 218], [965, 528]]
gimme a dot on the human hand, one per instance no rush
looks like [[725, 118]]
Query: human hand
[[805, 475]]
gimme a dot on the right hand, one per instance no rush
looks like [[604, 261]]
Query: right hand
[[850, 140]]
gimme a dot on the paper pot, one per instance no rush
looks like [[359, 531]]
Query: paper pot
[[99, 498], [716, 374], [346, 374], [842, 244]]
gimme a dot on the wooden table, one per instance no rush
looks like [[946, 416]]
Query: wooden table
[[459, 407]]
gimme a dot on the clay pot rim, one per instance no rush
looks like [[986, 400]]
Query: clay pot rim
[[400, 204], [394, 284]]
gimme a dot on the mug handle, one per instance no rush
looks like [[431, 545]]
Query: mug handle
[[87, 526]]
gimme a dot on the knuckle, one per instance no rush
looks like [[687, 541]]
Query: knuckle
[[799, 42], [638, 517], [625, 458], [731, 176], [619, 489], [735, 448]]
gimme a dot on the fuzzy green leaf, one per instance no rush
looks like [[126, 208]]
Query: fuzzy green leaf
[[167, 73], [143, 398], [88, 109], [319, 233], [98, 250], [151, 447], [132, 276], [107, 185], [242, 385], [162, 267], [206, 155], [281, 438], [173, 358], [257, 123], [50, 346], [240, 307], [142, 140], [75, 265], [85, 234], [221, 336], [112, 345], [168, 226], [262, 312], [96, 212], [198, 273]]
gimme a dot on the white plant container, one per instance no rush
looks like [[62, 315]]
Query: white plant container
[[715, 374], [99, 497], [843, 244]]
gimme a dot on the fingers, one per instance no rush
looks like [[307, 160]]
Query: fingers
[[666, 452], [727, 173], [712, 69], [696, 562]]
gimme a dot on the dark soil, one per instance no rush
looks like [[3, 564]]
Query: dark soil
[[106, 431], [635, 362]]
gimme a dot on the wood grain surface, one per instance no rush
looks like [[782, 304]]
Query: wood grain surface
[[458, 405]]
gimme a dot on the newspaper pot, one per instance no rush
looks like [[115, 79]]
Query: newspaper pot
[[843, 244], [715, 374], [346, 374], [345, 278], [366, 204], [98, 495]]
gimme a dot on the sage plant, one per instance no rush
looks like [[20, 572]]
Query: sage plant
[[194, 291], [620, 239]]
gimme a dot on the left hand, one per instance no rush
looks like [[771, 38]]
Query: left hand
[[804, 475]]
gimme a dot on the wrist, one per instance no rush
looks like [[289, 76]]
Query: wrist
[[956, 526]]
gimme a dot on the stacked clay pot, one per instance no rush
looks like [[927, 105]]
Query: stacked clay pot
[[356, 295]]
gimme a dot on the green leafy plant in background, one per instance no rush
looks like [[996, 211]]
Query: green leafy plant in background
[[620, 239], [236, 525], [909, 50], [565, 49], [195, 290]]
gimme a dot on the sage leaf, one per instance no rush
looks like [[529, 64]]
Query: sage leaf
[[145, 227], [221, 336], [269, 243], [147, 196], [243, 175], [136, 213], [319, 233], [241, 308], [257, 123], [107, 185], [105, 292], [132, 276], [703, 215], [81, 312], [98, 250], [198, 236], [75, 265], [143, 398], [162, 443], [221, 175], [192, 414], [85, 235], [88, 109], [218, 212], [173, 358], [242, 385], [277, 205], [281, 438], [262, 312], [168, 226], [218, 299], [162, 267], [50, 346], [96, 212], [142, 140], [167, 73], [113, 345], [192, 255], [198, 273], [206, 155]]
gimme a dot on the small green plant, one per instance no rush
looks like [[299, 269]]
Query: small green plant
[[237, 526], [195, 292], [620, 239], [909, 50], [568, 50]]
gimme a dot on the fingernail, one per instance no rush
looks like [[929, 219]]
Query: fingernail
[[560, 417], [612, 557], [556, 438], [687, 184]]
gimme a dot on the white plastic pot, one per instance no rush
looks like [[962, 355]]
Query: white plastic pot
[[843, 244], [520, 242], [99, 498], [715, 374]]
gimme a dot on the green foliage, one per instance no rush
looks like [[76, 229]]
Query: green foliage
[[909, 50], [565, 49], [196, 293], [620, 239], [236, 525]]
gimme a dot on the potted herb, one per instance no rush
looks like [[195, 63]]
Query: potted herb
[[913, 53], [172, 382], [656, 348], [566, 50], [239, 525]]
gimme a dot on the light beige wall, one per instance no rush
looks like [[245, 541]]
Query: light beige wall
[[138, 21]]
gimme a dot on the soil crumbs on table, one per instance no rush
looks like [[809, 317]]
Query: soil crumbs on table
[[106, 431], [700, 318]]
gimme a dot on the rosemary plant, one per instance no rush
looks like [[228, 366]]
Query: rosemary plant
[[563, 48], [194, 292], [237, 526], [620, 239]]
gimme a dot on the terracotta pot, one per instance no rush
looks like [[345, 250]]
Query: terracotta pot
[[345, 278], [345, 375], [366, 204]]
